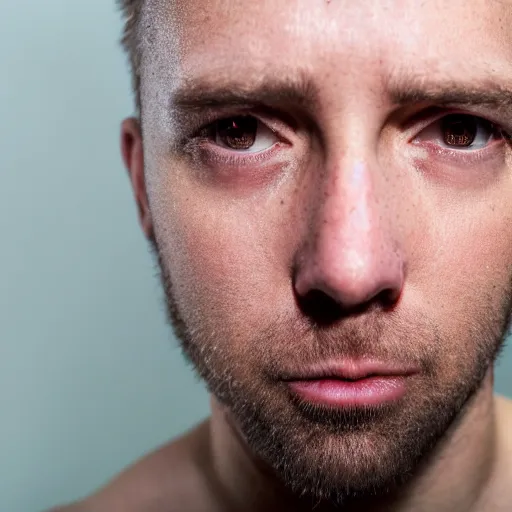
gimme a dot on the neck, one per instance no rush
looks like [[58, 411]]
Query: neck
[[453, 479]]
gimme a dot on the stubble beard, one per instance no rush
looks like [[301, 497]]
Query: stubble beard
[[341, 457]]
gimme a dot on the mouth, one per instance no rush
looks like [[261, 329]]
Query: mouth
[[350, 383]]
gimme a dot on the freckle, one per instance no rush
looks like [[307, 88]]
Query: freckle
[[282, 201]]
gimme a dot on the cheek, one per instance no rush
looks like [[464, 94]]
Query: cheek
[[475, 250], [221, 262], [467, 279]]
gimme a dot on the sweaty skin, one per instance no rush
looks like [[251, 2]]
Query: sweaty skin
[[363, 225]]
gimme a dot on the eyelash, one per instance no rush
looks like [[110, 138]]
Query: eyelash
[[197, 144], [461, 157], [233, 157]]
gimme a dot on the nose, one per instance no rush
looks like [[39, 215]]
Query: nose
[[350, 253]]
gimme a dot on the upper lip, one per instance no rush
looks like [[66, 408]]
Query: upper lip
[[351, 370]]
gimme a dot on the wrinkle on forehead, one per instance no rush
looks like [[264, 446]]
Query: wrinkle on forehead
[[436, 38], [228, 29]]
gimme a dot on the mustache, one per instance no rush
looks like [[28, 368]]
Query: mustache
[[292, 342]]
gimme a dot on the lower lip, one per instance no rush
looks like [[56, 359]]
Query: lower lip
[[371, 391]]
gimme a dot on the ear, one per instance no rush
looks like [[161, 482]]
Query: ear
[[133, 158]]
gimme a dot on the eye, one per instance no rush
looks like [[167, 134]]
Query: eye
[[460, 132], [244, 134]]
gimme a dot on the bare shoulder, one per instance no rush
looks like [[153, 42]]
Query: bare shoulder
[[81, 506], [169, 479], [74, 507], [77, 507]]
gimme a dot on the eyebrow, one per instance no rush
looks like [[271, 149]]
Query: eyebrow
[[487, 94], [196, 95]]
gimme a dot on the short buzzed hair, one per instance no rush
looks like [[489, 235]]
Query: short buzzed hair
[[132, 14]]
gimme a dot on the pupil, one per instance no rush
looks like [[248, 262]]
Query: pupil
[[459, 130], [238, 132]]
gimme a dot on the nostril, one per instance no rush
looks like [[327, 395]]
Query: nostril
[[320, 308], [330, 285], [389, 297], [324, 311]]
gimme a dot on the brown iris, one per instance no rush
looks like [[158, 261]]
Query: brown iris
[[459, 130], [238, 132]]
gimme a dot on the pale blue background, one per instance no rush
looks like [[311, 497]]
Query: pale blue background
[[89, 377]]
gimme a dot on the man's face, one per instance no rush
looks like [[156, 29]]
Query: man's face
[[358, 207]]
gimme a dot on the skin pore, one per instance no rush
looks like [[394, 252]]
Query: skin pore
[[358, 221]]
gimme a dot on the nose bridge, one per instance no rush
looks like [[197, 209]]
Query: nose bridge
[[350, 225], [351, 252]]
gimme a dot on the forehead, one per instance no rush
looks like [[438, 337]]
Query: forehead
[[245, 40]]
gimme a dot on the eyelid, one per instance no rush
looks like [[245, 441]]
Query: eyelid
[[282, 124], [454, 156], [203, 149], [434, 114]]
